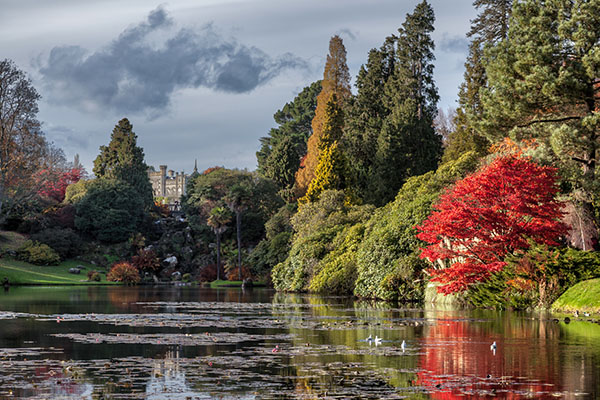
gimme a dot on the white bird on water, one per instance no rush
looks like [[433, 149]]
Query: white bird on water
[[403, 346], [377, 341], [493, 348]]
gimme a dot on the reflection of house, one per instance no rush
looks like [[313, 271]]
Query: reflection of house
[[168, 380], [168, 184]]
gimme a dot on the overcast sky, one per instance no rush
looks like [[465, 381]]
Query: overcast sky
[[198, 79]]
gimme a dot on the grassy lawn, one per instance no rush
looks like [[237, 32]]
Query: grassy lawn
[[11, 240], [584, 296], [222, 283], [22, 273]]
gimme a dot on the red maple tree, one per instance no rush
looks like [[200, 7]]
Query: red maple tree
[[484, 217], [53, 184]]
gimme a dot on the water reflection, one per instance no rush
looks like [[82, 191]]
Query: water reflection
[[179, 343]]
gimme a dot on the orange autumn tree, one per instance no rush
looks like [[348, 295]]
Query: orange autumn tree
[[330, 167], [336, 80], [497, 211]]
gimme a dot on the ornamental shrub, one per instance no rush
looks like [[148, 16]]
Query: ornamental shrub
[[146, 260], [94, 276], [64, 241], [123, 272], [38, 253]]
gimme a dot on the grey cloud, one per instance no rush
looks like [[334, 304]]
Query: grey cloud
[[135, 74], [453, 44], [66, 137]]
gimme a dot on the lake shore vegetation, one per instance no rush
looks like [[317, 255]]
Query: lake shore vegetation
[[373, 193]]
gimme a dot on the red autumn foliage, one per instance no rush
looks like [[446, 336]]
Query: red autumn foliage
[[484, 217], [123, 272], [211, 169], [208, 273], [233, 274], [146, 260], [53, 184]]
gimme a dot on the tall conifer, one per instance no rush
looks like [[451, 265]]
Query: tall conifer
[[489, 28], [543, 84], [336, 79], [123, 160], [330, 170], [407, 144]]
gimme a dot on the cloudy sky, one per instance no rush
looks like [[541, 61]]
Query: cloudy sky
[[198, 79]]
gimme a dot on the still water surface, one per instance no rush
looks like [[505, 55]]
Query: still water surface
[[194, 343]]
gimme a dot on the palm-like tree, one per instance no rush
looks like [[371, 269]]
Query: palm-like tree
[[237, 200], [218, 219]]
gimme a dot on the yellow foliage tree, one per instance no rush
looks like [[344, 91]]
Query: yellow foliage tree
[[336, 80], [329, 172]]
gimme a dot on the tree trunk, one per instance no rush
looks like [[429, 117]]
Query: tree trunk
[[238, 223], [218, 256]]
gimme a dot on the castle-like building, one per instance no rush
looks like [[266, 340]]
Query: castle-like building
[[169, 185]]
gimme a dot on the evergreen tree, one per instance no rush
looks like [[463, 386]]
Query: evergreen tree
[[491, 25], [123, 160], [336, 79], [543, 84], [281, 151], [488, 28], [407, 144], [366, 113]]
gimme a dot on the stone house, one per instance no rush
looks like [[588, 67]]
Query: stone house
[[169, 185]]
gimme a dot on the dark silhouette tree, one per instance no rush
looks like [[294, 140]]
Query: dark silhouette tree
[[123, 160]]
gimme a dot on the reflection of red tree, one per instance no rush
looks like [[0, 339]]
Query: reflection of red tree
[[456, 361]]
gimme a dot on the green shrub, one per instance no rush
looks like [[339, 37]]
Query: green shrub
[[319, 228], [337, 272], [38, 253], [123, 272], [387, 259], [76, 191], [187, 277], [535, 278], [110, 211], [64, 241]]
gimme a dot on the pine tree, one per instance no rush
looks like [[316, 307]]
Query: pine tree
[[336, 79], [123, 160], [543, 84], [489, 28], [491, 25]]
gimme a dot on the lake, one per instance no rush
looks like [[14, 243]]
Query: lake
[[193, 343]]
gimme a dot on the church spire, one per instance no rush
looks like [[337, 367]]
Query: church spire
[[196, 166]]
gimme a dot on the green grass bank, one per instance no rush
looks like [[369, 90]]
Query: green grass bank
[[22, 273], [584, 296]]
